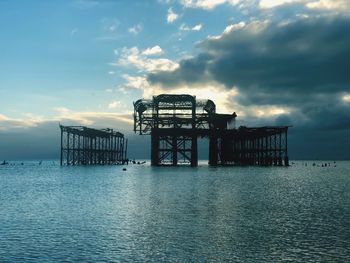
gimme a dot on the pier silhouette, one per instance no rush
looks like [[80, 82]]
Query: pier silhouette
[[175, 122]]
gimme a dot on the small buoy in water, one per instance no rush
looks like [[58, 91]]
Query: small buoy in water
[[124, 169]]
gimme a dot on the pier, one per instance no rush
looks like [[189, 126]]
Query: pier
[[83, 146], [175, 122]]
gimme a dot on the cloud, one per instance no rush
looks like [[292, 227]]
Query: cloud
[[20, 139], [114, 104], [135, 30], [171, 16], [156, 50], [341, 5], [299, 67], [207, 4], [133, 57], [229, 29], [346, 98], [275, 3], [184, 27], [135, 82]]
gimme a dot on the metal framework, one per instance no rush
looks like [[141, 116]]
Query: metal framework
[[176, 121], [250, 146], [82, 146]]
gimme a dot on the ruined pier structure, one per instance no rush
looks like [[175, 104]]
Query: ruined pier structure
[[82, 145], [175, 122]]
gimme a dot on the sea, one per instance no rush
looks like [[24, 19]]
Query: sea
[[299, 213]]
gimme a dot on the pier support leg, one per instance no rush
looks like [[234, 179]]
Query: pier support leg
[[213, 150]]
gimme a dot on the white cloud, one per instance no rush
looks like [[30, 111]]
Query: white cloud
[[275, 3], [156, 50], [207, 4], [231, 28], [29, 120], [114, 105], [135, 82], [184, 27], [135, 29], [343, 5], [197, 27], [234, 27], [67, 116], [133, 57], [90, 117], [172, 16], [340, 5]]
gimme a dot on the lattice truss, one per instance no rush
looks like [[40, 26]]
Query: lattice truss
[[175, 149], [82, 145], [172, 111]]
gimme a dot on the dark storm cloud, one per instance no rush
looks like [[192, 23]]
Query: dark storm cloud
[[303, 56], [304, 64]]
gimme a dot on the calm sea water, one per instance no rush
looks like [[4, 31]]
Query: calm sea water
[[50, 213]]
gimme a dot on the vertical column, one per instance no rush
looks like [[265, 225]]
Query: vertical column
[[194, 151], [286, 159], [126, 149], [154, 147], [74, 153], [61, 162], [68, 153], [213, 148], [174, 150]]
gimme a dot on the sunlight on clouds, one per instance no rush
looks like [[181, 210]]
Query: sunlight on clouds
[[312, 4], [135, 82], [207, 4], [268, 111], [3, 117], [90, 117], [275, 3], [233, 27], [133, 57], [214, 91], [185, 27], [330, 4], [172, 16], [156, 50], [346, 98], [135, 29], [7, 123], [114, 105], [253, 27]]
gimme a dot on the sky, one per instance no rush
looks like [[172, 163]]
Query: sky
[[83, 62]]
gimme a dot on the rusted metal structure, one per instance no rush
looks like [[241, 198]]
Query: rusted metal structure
[[83, 146], [176, 121]]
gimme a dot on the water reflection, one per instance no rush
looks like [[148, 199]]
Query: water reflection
[[240, 214]]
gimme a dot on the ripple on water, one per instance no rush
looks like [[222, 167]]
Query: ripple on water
[[240, 214]]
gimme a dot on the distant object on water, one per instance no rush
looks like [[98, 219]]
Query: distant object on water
[[4, 163], [176, 121], [86, 146]]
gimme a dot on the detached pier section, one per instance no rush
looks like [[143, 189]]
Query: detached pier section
[[83, 146], [176, 121]]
